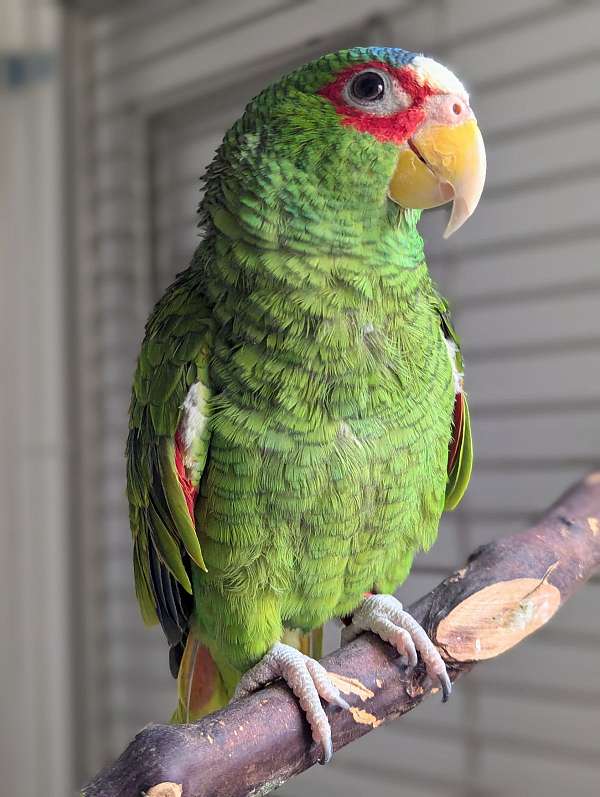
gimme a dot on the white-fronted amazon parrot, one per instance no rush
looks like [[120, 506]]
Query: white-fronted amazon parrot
[[298, 422]]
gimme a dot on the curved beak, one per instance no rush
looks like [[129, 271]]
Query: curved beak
[[443, 163]]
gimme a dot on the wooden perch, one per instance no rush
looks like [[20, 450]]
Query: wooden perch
[[507, 590]]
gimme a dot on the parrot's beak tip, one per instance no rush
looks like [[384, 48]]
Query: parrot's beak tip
[[461, 212], [458, 216]]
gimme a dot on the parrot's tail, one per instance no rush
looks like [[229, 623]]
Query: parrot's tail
[[204, 684], [201, 687]]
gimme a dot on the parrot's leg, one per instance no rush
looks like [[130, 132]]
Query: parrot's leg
[[384, 616], [309, 682]]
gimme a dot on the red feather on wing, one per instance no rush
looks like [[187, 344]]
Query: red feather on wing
[[190, 492], [457, 429]]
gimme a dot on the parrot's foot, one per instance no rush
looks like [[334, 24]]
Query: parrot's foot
[[309, 682], [384, 616]]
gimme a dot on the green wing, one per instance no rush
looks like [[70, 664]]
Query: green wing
[[460, 455], [174, 356]]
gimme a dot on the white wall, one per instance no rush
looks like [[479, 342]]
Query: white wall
[[35, 709]]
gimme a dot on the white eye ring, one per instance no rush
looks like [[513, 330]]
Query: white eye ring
[[387, 96]]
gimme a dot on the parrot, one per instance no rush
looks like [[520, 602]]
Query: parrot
[[298, 421]]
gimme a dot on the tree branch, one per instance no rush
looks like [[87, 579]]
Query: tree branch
[[507, 590]]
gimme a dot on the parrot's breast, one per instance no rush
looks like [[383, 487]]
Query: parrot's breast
[[328, 455]]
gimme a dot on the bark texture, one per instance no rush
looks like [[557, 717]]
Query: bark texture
[[506, 591]]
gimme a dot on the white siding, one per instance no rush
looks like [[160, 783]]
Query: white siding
[[35, 616], [159, 83]]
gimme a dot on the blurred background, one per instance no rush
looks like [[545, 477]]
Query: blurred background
[[109, 112]]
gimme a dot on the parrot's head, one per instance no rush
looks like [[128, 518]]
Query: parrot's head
[[421, 108], [378, 119]]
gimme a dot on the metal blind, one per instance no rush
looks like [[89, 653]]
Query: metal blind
[[161, 83]]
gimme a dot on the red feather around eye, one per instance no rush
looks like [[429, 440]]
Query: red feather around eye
[[396, 127], [457, 430], [189, 491]]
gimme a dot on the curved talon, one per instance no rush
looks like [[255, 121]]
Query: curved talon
[[384, 616], [445, 685], [327, 745], [308, 680]]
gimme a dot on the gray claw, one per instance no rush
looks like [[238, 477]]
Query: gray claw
[[339, 701], [445, 685], [327, 752]]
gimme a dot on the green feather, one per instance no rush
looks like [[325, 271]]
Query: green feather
[[143, 591], [459, 477], [168, 549]]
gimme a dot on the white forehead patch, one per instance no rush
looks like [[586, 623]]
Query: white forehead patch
[[438, 76]]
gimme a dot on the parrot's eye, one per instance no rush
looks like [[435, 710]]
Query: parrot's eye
[[368, 87], [375, 92]]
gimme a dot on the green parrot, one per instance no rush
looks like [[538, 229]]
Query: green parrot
[[298, 422]]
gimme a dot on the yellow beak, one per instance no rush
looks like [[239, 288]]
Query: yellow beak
[[442, 164]]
